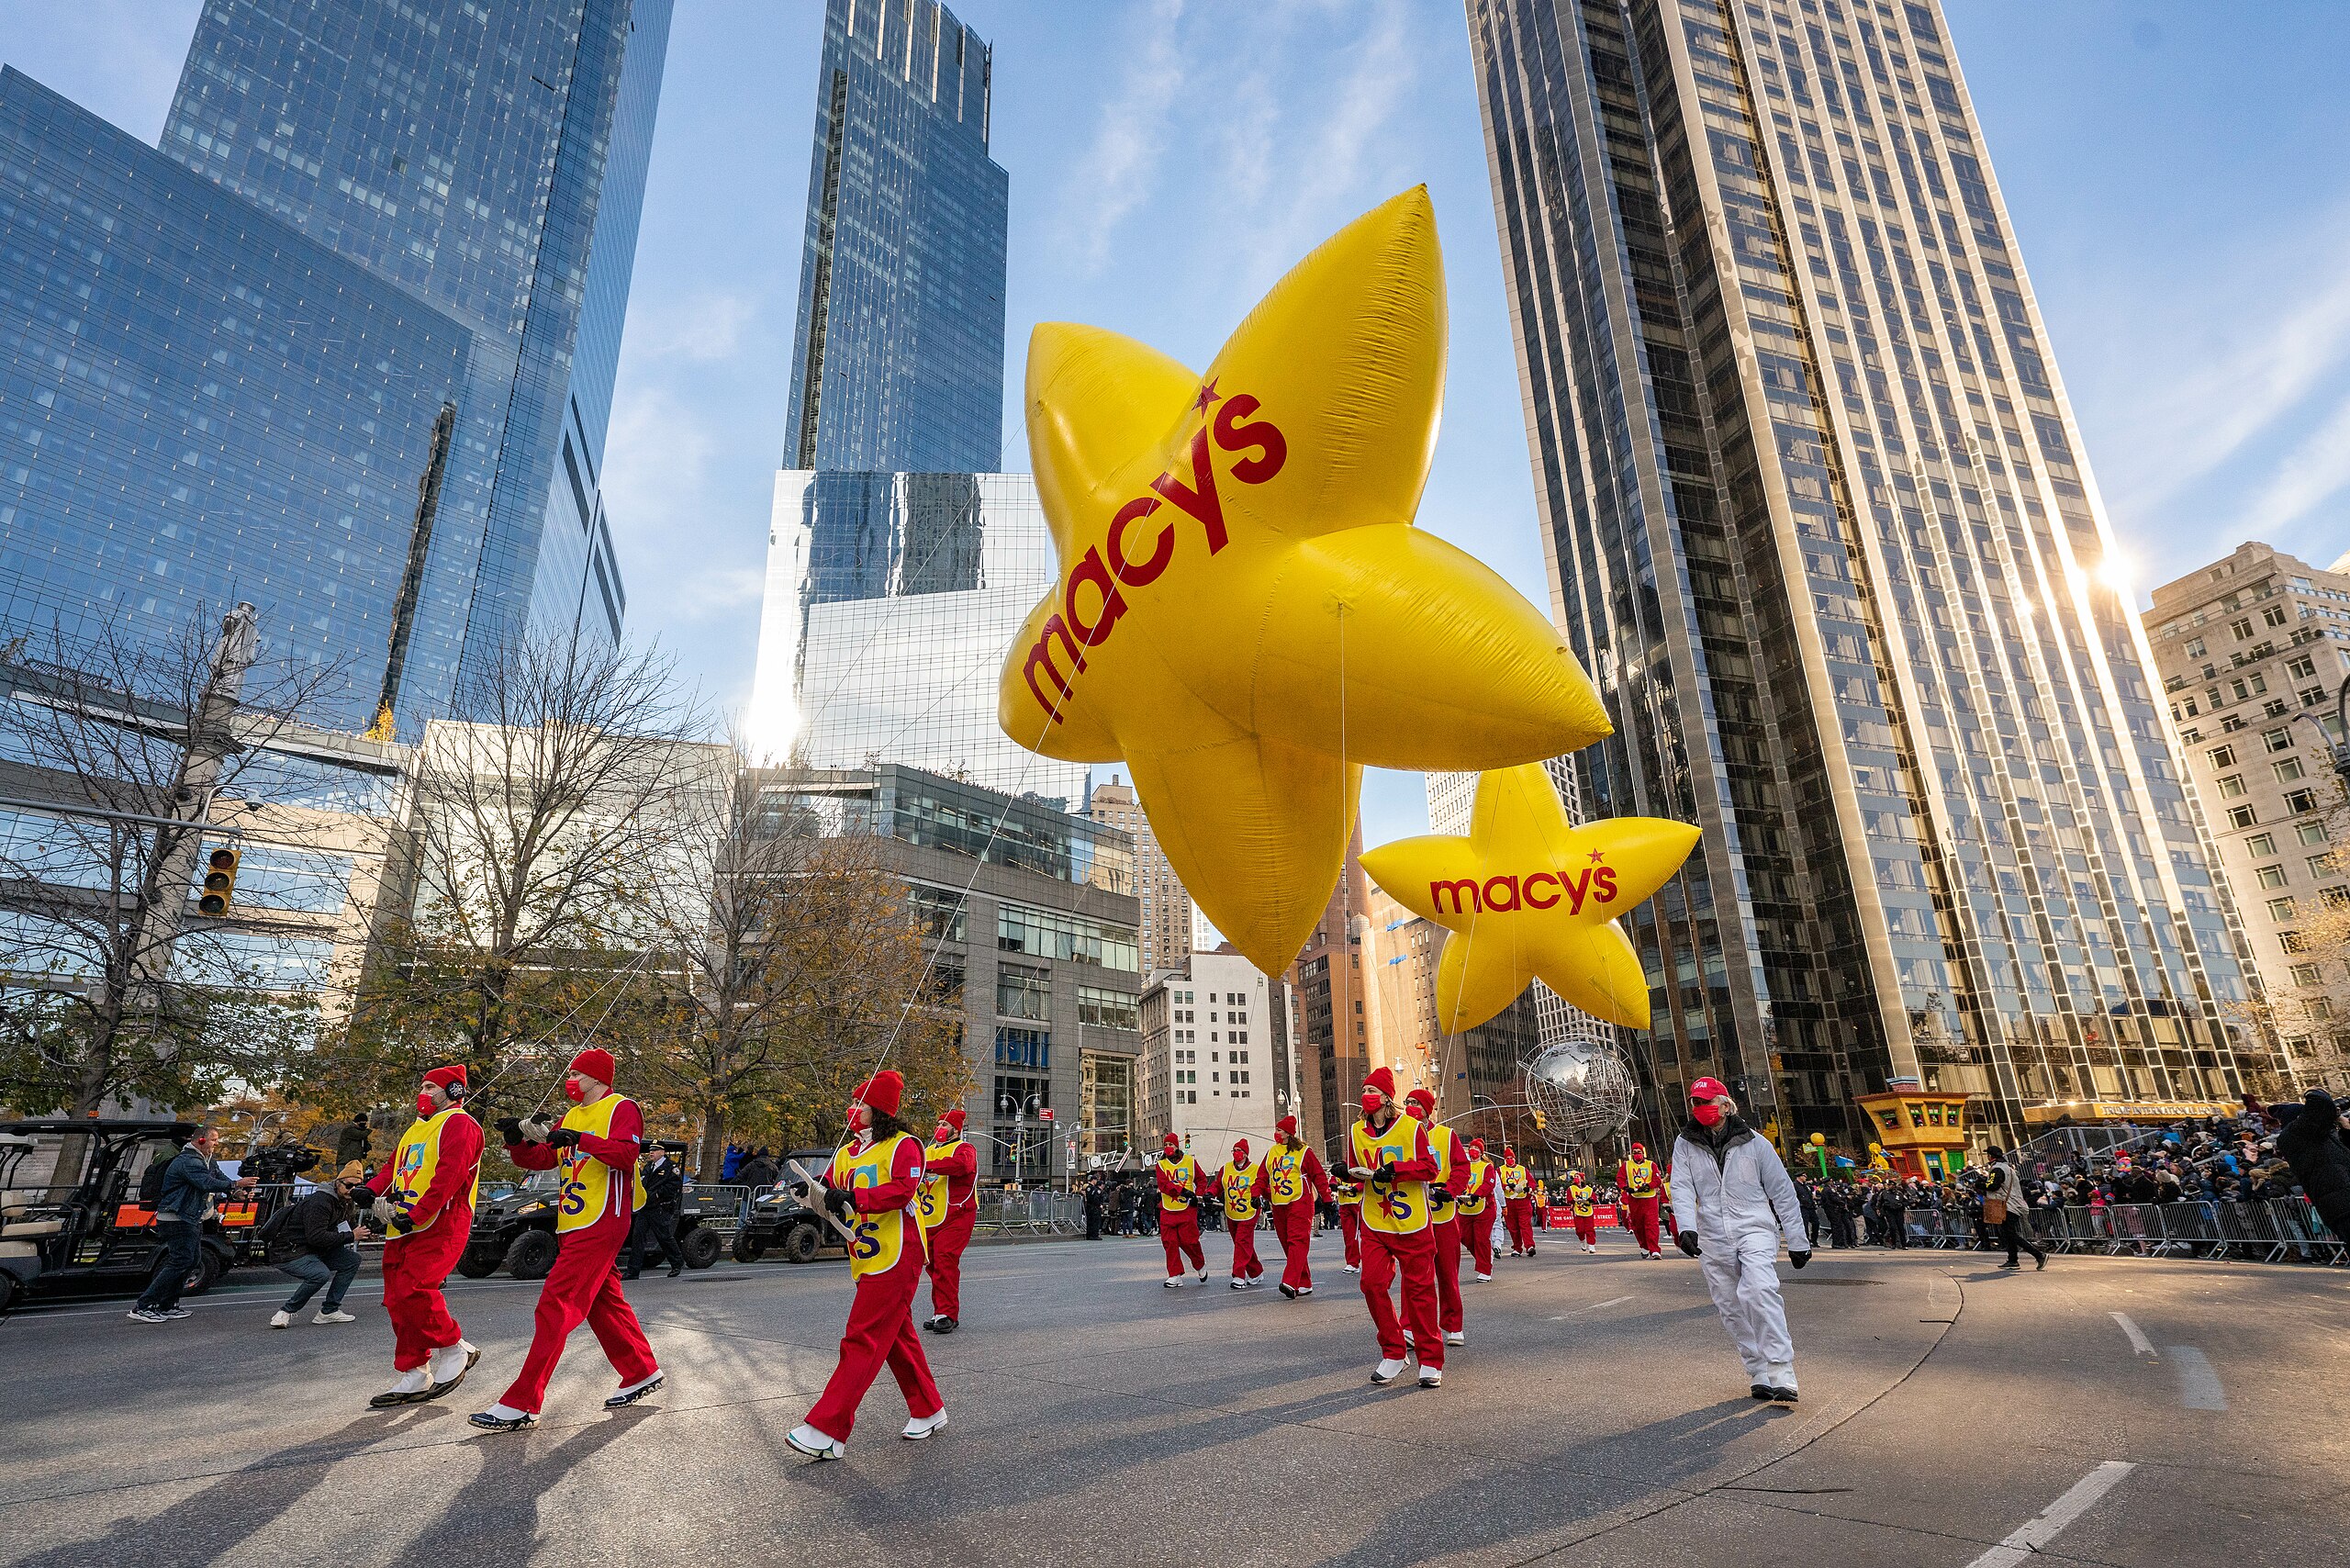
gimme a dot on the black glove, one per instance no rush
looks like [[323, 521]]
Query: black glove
[[563, 1138], [1439, 1192], [1799, 1259], [402, 1225], [1383, 1177], [509, 1129], [1687, 1241], [839, 1205]]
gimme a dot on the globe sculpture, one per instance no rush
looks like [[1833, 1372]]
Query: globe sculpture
[[1584, 1092]]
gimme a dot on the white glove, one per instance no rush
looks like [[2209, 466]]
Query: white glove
[[535, 1128], [383, 1212]]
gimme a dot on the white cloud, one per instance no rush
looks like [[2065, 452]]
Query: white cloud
[[1120, 169], [2314, 472]]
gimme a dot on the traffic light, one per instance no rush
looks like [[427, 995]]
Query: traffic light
[[219, 881]]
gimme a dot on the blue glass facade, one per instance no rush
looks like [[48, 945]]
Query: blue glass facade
[[474, 154], [198, 405], [898, 362]]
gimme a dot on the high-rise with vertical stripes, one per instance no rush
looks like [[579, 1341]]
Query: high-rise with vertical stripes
[[1819, 522]]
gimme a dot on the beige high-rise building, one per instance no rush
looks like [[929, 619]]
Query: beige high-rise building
[[2252, 651], [1165, 906]]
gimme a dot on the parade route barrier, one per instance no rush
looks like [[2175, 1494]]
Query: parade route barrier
[[1030, 1214], [2268, 1231]]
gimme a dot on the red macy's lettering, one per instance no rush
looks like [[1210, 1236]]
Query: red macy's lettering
[[1197, 499], [1501, 895]]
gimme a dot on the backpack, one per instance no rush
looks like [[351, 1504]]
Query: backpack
[[278, 1240], [151, 1181]]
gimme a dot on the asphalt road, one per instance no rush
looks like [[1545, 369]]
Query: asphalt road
[[2106, 1411]]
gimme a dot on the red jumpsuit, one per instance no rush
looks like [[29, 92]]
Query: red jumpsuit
[[417, 1265], [1635, 1180], [1584, 1203], [583, 1283], [880, 1316], [1517, 1209], [1444, 1224], [1179, 1222], [1402, 1148], [959, 1163], [1298, 1173], [1238, 1191], [1477, 1217]]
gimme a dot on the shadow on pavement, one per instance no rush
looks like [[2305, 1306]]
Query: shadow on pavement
[[494, 1518]]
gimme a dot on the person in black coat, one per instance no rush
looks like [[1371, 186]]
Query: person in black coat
[[2316, 1146], [316, 1242], [758, 1171], [665, 1191]]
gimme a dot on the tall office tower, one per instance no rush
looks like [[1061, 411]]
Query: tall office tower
[[1329, 1028], [2252, 651], [491, 159], [201, 406], [1819, 523], [1165, 906], [898, 362], [890, 599]]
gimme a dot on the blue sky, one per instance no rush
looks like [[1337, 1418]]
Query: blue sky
[[2174, 171]]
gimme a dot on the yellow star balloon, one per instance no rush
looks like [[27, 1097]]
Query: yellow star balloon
[[1529, 896], [1245, 613]]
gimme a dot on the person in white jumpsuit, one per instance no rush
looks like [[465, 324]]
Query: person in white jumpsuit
[[1733, 1202]]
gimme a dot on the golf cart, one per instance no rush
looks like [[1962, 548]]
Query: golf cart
[[781, 1218], [77, 1208]]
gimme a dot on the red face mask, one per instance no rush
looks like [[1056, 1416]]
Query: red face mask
[[1372, 1100], [573, 1090], [942, 1134], [1708, 1114], [424, 1106]]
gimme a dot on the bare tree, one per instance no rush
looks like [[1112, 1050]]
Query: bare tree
[[793, 961], [117, 755], [539, 816]]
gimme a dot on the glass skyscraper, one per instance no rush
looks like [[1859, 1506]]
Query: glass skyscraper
[[199, 405], [490, 160], [898, 362], [1820, 524], [890, 600]]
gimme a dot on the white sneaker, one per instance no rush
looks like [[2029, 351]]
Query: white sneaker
[[1352, 1269], [1484, 1278], [1456, 1338], [337, 1315], [1203, 1277], [922, 1426], [281, 1318], [1388, 1371], [814, 1444], [1431, 1377], [451, 1361], [411, 1386], [1240, 1284], [1173, 1283]]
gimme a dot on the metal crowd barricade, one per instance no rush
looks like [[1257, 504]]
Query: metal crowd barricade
[[2268, 1231], [1030, 1213]]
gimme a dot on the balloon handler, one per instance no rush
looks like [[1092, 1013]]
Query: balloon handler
[[1517, 1204], [1347, 1196], [948, 1206], [1444, 1213], [1179, 1219], [1635, 1180], [1388, 1153], [423, 1200], [1582, 1199], [596, 1146], [1732, 1205], [1477, 1211], [870, 1188], [1293, 1184], [1238, 1185]]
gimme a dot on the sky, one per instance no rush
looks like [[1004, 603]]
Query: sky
[[2174, 171]]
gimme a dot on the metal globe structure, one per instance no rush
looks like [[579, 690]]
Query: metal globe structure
[[1581, 1093]]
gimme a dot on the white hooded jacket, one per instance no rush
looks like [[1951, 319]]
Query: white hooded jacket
[[1747, 1191]]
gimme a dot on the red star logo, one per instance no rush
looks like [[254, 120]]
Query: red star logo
[[1596, 857], [1208, 394]]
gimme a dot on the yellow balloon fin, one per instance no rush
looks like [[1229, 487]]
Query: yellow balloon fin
[[1605, 981], [1479, 975], [1257, 831], [1041, 702], [1099, 404]]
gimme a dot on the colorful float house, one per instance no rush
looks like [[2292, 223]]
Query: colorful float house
[[1923, 1131]]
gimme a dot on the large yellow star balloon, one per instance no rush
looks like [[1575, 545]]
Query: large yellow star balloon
[[1527, 895], [1245, 613]]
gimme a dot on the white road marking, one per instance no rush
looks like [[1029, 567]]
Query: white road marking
[[1594, 1306], [2138, 1340], [2021, 1546], [2198, 1381]]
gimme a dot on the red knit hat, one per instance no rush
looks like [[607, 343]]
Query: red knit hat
[[1381, 1078], [596, 1064], [953, 1118], [1285, 1126], [1510, 1155], [882, 1092], [1476, 1146], [1422, 1097], [1171, 1141], [447, 1077], [1240, 1148]]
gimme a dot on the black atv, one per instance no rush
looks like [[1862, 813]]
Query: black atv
[[514, 1227], [781, 1218]]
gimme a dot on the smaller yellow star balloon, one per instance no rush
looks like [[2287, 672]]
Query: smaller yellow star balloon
[[1527, 895]]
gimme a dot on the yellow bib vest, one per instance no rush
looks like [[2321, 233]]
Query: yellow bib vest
[[877, 1240], [1285, 1173], [1513, 1182], [1184, 1171], [1639, 1179], [1345, 1194], [1581, 1198], [1477, 1168], [416, 1158], [1239, 1197], [1400, 1207], [1447, 1149], [930, 1202], [588, 1181]]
